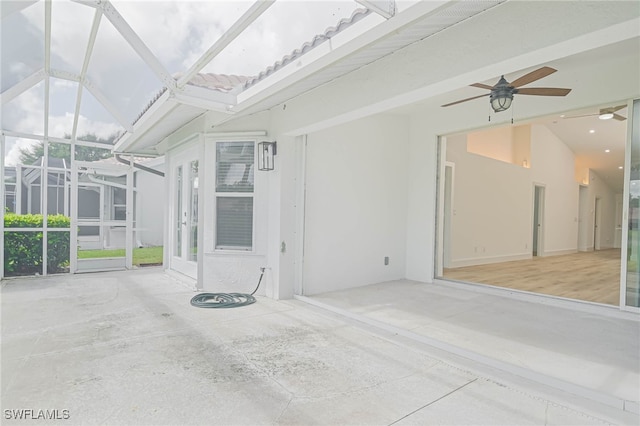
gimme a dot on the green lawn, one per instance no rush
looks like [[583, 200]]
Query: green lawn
[[141, 256]]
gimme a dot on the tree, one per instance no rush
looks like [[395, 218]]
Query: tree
[[62, 150]]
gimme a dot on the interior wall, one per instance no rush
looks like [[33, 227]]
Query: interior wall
[[553, 165], [491, 220], [356, 204], [500, 146]]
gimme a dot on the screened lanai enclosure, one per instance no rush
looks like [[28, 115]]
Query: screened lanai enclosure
[[77, 77]]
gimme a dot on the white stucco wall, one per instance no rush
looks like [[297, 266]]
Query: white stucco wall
[[425, 72], [356, 204]]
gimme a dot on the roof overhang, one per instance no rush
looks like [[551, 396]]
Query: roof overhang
[[351, 52], [348, 50]]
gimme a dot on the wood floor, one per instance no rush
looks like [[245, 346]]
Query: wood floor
[[591, 276]]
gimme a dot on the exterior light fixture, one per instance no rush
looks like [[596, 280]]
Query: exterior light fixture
[[501, 96], [266, 152], [606, 116]]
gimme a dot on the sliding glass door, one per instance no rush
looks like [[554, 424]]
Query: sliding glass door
[[632, 293]]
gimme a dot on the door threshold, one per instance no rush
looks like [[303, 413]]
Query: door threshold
[[544, 299]]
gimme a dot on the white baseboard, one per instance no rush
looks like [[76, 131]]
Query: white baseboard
[[560, 252], [459, 263]]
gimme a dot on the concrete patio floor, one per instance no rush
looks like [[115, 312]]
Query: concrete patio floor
[[127, 348], [592, 350]]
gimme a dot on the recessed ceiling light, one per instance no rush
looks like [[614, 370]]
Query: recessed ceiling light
[[607, 150], [620, 167], [607, 116], [562, 116], [592, 131]]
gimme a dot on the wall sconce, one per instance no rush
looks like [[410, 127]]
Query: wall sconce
[[266, 152]]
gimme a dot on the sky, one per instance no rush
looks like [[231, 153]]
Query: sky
[[177, 32]]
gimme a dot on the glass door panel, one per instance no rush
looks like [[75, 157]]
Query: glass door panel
[[185, 213], [632, 293], [193, 215], [177, 240]]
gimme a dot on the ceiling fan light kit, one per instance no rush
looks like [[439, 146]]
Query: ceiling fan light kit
[[501, 96]]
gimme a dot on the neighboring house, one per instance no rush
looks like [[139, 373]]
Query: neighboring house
[[102, 206], [101, 200], [9, 180], [28, 177], [353, 198]]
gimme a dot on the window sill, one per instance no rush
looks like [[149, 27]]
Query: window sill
[[228, 253]]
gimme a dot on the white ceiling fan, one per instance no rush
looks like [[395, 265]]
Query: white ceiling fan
[[605, 114]]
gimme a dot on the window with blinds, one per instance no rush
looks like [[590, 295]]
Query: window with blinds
[[234, 195]]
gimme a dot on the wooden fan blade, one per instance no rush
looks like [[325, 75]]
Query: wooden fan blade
[[543, 91], [580, 116], [465, 100], [611, 110], [619, 117], [482, 86], [533, 76]]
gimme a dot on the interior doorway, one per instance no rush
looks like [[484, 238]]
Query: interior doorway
[[596, 225], [538, 221]]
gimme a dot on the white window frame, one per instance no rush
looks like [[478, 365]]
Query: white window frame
[[229, 249]]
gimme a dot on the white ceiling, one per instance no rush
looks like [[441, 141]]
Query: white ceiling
[[593, 74], [590, 148]]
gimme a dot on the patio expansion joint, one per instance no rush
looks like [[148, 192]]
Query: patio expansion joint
[[434, 401], [356, 391]]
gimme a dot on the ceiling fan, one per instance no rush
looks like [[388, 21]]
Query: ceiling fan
[[502, 93], [605, 113]]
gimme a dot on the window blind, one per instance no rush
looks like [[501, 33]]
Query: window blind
[[234, 195]]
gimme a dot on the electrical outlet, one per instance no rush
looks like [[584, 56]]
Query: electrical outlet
[[386, 260]]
